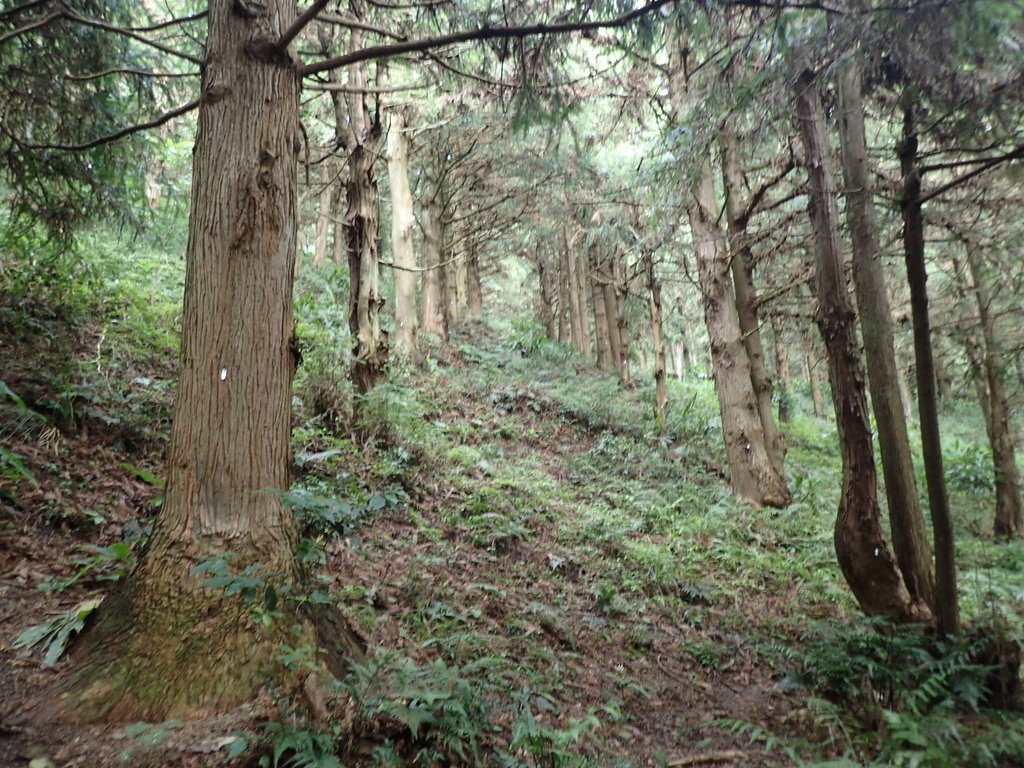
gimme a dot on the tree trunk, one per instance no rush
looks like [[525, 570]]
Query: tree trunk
[[602, 336], [864, 557], [362, 229], [906, 520], [545, 313], [564, 310], [162, 644], [783, 376], [474, 288], [814, 382], [1000, 433], [571, 277], [611, 311], [323, 218], [742, 262], [946, 603], [433, 241], [752, 476], [657, 341], [402, 221], [621, 291]]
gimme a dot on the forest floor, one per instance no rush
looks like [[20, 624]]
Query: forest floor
[[542, 578]]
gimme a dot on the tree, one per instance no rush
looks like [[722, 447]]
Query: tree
[[867, 564], [910, 541], [401, 232]]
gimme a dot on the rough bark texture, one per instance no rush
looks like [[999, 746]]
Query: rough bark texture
[[402, 221], [869, 567], [946, 604], [907, 523], [433, 240], [163, 645], [751, 474], [576, 307], [620, 291], [1000, 432], [362, 132], [742, 263]]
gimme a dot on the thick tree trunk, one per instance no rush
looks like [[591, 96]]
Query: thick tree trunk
[[864, 557], [602, 336], [402, 220], [564, 310], [907, 524], [742, 262], [433, 242], [1000, 433], [362, 237], [752, 476], [163, 645], [946, 602], [657, 341]]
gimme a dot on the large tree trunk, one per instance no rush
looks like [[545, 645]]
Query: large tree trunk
[[362, 238], [402, 220], [946, 603], [742, 262], [1000, 433], [864, 557], [910, 540], [611, 312], [433, 242], [752, 476], [163, 645]]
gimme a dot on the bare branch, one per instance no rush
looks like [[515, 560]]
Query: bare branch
[[344, 21], [408, 6], [300, 24], [129, 71], [171, 22], [98, 24], [12, 12], [344, 88], [1016, 153], [110, 138], [29, 27], [484, 33]]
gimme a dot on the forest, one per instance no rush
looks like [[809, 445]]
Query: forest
[[519, 384]]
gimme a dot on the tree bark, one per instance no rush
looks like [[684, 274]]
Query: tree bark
[[906, 520], [602, 336], [620, 291], [946, 602], [869, 567], [1000, 433], [402, 220], [742, 262], [579, 339], [433, 241], [162, 644], [362, 134], [751, 474]]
